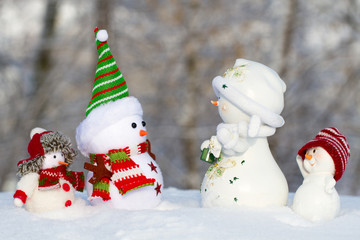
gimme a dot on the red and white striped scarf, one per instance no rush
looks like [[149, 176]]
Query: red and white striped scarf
[[49, 178], [126, 174]]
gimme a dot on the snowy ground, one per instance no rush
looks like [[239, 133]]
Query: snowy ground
[[178, 217]]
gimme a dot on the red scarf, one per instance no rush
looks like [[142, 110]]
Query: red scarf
[[49, 178]]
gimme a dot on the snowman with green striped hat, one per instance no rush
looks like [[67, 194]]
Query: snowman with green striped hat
[[122, 170]]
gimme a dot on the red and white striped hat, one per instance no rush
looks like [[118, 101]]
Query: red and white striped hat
[[335, 144]]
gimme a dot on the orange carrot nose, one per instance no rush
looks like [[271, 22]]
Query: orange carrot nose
[[63, 163], [215, 103], [143, 133], [308, 157]]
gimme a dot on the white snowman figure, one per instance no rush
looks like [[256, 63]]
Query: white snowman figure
[[122, 170], [322, 162], [250, 100], [45, 182]]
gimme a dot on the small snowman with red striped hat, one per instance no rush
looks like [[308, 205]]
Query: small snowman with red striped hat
[[122, 169], [46, 183], [322, 162]]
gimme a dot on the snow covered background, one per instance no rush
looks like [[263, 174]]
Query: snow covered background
[[179, 216]]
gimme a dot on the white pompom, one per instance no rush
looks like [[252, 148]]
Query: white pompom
[[102, 35], [36, 130]]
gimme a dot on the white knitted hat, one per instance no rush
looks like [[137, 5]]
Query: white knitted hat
[[255, 89]]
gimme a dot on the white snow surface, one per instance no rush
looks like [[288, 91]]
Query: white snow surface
[[179, 216]]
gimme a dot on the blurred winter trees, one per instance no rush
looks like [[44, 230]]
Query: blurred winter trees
[[169, 52]]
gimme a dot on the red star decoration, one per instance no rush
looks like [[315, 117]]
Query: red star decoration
[[158, 188], [153, 167]]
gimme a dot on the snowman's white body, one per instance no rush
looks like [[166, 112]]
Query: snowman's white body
[[313, 202], [45, 200], [317, 199], [120, 135], [259, 181], [250, 100]]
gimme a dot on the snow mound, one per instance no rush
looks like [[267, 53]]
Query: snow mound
[[179, 216]]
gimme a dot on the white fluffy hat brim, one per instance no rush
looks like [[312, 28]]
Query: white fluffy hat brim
[[246, 104], [104, 116]]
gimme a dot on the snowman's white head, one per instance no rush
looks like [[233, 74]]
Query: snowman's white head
[[252, 88], [318, 160], [53, 159], [127, 132], [230, 113], [335, 144], [110, 126]]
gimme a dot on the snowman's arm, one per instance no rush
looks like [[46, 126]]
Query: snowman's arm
[[25, 188], [227, 135], [330, 184], [233, 137], [299, 161]]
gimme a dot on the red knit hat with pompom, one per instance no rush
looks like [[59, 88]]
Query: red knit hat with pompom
[[335, 144], [35, 148]]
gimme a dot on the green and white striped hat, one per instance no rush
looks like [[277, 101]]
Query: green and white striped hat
[[109, 83], [110, 102]]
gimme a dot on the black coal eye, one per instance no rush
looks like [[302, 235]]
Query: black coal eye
[[143, 123], [54, 156], [133, 125], [314, 150]]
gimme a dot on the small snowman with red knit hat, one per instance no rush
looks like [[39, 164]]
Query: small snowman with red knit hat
[[46, 183], [123, 172], [322, 162]]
